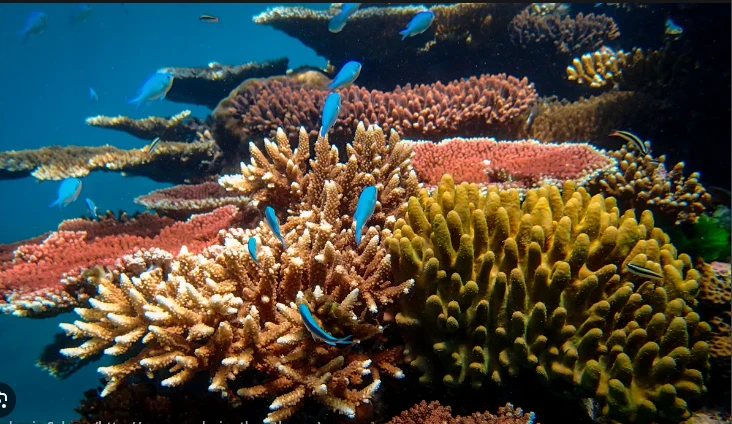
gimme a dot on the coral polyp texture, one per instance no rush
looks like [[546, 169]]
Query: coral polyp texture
[[172, 128], [474, 106], [46, 277], [434, 413], [520, 164], [284, 181], [184, 200], [503, 285], [207, 85], [170, 162], [565, 34]]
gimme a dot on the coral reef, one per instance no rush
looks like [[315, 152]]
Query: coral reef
[[594, 118], [284, 182], [503, 285], [559, 34], [475, 106], [170, 162], [598, 69], [463, 30], [715, 297], [221, 312], [434, 413], [182, 201], [172, 128], [642, 183], [520, 164], [47, 277], [207, 85]]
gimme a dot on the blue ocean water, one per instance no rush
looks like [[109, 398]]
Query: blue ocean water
[[45, 100]]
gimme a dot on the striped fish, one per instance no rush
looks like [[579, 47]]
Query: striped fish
[[644, 272], [632, 139], [153, 145]]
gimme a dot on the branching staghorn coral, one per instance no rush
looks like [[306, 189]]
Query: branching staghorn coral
[[434, 413], [644, 183], [503, 285], [598, 69], [284, 180], [651, 71], [172, 128], [221, 312]]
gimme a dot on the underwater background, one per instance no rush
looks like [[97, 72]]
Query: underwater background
[[45, 101]]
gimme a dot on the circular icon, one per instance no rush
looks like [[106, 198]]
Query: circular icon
[[7, 400]]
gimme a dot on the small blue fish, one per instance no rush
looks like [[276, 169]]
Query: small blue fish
[[337, 23], [364, 209], [317, 332], [92, 208], [348, 74], [35, 23], [80, 13], [155, 87], [93, 95], [270, 218], [68, 191], [672, 28], [419, 24], [252, 245], [331, 107]]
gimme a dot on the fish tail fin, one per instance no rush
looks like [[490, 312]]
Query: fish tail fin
[[24, 36], [322, 134], [55, 202], [345, 340], [136, 101], [404, 33]]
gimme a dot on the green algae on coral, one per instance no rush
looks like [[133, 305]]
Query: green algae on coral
[[503, 285]]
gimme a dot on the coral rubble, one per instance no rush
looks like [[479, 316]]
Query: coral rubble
[[172, 128], [181, 201], [434, 413], [475, 106], [46, 277], [520, 164], [503, 285], [170, 162], [207, 85]]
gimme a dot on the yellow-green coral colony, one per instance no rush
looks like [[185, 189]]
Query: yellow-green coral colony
[[503, 285]]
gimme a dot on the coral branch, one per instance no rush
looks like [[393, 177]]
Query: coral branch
[[169, 162], [181, 201], [207, 85], [172, 128]]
